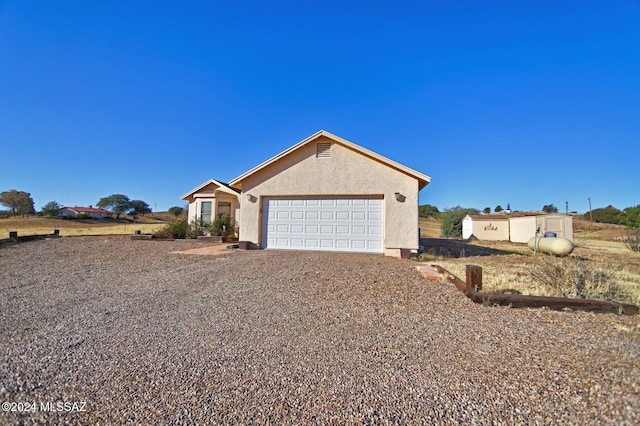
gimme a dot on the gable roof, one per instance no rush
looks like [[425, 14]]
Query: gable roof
[[225, 187], [422, 178]]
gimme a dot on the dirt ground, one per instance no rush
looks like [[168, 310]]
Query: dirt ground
[[132, 332]]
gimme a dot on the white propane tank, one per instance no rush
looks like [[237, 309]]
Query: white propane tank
[[551, 245]]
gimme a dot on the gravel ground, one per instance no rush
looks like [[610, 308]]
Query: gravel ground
[[125, 331]]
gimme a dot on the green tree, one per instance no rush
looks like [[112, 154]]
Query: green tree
[[498, 209], [176, 211], [607, 214], [51, 209], [550, 208], [117, 203], [451, 225], [26, 207], [486, 210], [138, 208], [427, 210], [631, 217], [18, 201]]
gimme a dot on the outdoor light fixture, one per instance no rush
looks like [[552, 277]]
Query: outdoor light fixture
[[251, 198], [400, 197]]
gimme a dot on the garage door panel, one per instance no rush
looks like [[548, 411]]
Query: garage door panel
[[342, 224], [326, 229]]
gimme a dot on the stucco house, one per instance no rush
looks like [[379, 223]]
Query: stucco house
[[212, 199], [327, 193]]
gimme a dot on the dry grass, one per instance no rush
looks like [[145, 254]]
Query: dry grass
[[40, 226], [510, 268]]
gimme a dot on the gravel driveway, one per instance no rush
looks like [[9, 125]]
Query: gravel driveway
[[109, 330]]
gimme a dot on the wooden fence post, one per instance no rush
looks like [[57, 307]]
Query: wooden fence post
[[474, 278]]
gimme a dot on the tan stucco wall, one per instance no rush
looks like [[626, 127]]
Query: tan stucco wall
[[491, 230], [345, 173]]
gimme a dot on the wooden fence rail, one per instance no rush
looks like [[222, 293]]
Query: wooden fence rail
[[474, 273]]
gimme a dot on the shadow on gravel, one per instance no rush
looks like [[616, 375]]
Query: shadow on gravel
[[446, 247]]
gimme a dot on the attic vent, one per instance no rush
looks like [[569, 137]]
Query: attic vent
[[323, 150]]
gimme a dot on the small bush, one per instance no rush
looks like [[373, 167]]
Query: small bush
[[573, 277], [221, 223], [197, 228], [176, 229]]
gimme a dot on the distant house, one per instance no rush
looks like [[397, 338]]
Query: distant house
[[90, 211]]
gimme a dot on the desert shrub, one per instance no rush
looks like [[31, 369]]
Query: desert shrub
[[176, 229], [633, 239], [573, 277], [197, 228], [221, 223]]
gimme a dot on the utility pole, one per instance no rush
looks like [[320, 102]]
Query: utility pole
[[590, 215], [566, 207]]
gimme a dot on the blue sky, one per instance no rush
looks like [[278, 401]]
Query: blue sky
[[524, 103]]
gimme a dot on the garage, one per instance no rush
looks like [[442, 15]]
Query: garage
[[350, 224]]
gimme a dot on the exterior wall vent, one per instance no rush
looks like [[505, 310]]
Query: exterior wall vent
[[323, 150]]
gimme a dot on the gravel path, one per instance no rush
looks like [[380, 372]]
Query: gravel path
[[141, 335]]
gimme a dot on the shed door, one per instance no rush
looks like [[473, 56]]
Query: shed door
[[328, 224]]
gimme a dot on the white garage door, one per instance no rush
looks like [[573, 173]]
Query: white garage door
[[331, 224]]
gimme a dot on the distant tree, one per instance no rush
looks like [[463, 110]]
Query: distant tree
[[486, 210], [18, 201], [509, 206], [176, 211], [465, 210], [631, 217], [607, 214], [138, 208], [51, 209], [26, 207], [117, 203], [427, 210], [498, 209], [550, 208]]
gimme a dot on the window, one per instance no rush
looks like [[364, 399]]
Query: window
[[224, 208], [205, 211]]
